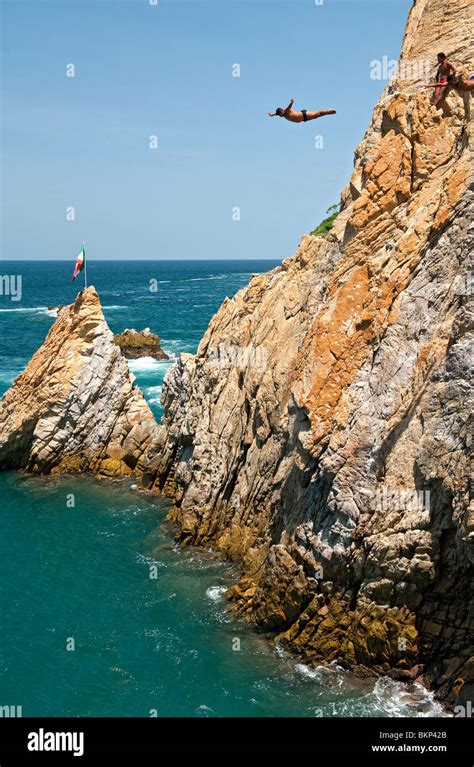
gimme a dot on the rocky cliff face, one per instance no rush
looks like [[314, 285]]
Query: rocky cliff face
[[321, 433], [135, 344], [75, 408]]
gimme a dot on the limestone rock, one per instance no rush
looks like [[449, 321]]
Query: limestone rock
[[135, 344], [321, 434], [76, 408]]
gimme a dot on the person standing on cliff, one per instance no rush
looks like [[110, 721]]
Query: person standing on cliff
[[444, 77], [301, 116]]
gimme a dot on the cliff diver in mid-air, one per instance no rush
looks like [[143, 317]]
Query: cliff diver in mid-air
[[302, 116]]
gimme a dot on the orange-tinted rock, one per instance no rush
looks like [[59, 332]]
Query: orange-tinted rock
[[76, 408], [333, 460]]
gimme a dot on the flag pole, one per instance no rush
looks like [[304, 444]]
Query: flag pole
[[85, 265]]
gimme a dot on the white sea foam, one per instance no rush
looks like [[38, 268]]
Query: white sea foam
[[281, 652], [232, 275], [329, 676], [309, 673], [387, 696], [216, 593], [145, 364], [49, 312], [153, 394], [399, 699], [40, 309], [204, 279], [204, 710], [153, 390]]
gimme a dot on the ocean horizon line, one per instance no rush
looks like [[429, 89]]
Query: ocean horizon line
[[138, 260]]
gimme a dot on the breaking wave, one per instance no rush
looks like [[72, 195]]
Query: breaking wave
[[145, 364], [216, 593], [38, 309]]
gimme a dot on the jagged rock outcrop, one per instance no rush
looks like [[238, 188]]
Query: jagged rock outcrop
[[321, 434], [135, 344], [76, 408]]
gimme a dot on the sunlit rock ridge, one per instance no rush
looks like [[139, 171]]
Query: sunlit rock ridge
[[321, 433], [76, 407]]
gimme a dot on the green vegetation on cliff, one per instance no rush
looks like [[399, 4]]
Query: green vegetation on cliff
[[325, 226]]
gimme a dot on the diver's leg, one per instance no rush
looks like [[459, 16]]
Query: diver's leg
[[321, 113]]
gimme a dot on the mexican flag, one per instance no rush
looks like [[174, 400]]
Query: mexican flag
[[80, 263]]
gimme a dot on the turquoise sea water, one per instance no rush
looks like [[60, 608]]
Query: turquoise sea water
[[85, 629], [189, 293]]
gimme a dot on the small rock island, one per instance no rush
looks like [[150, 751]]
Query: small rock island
[[135, 344]]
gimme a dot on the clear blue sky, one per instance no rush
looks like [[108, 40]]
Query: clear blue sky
[[167, 70]]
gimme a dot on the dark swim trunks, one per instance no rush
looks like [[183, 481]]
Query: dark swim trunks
[[303, 112]]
